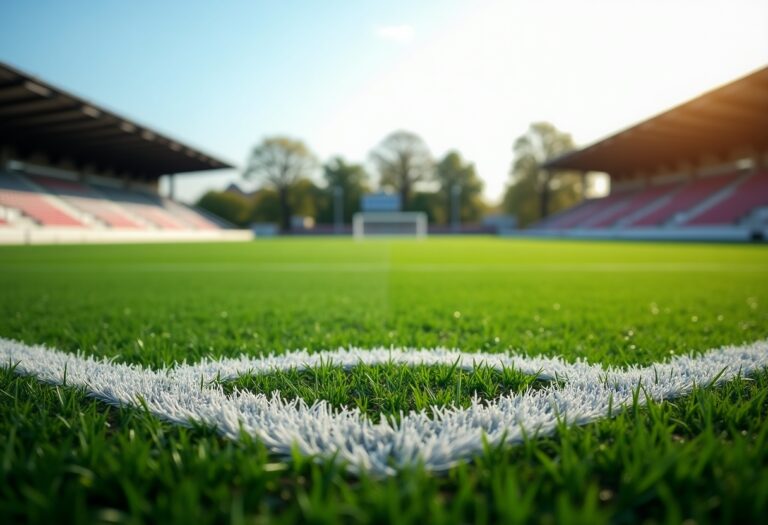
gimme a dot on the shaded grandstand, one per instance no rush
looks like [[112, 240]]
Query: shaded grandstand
[[697, 171], [72, 171]]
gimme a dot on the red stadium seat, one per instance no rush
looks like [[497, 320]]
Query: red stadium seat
[[598, 208], [36, 207], [688, 197], [750, 194], [190, 216], [87, 200], [635, 203], [571, 216], [149, 208]]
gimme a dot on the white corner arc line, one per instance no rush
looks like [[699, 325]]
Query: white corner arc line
[[184, 393]]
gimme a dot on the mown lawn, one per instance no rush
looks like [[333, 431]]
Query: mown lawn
[[65, 457]]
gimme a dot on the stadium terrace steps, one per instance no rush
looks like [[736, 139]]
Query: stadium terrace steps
[[569, 216], [17, 194], [48, 201], [632, 204], [649, 201], [37, 208], [190, 216], [727, 206], [146, 207], [710, 201], [689, 196], [611, 206], [88, 201], [750, 193], [586, 212]]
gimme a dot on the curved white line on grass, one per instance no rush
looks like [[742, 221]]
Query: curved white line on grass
[[185, 393]]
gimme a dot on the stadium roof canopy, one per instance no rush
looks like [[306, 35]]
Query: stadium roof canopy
[[38, 117], [729, 118]]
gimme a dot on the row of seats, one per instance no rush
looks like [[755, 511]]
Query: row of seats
[[687, 198], [14, 193], [751, 194], [718, 200], [50, 201], [82, 197]]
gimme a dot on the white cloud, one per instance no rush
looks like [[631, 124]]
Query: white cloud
[[400, 34]]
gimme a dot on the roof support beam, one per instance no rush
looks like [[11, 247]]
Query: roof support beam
[[37, 117]]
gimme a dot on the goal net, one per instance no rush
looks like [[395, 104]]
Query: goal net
[[367, 224]]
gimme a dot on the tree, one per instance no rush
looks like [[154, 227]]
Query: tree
[[535, 192], [352, 180], [403, 159], [281, 162], [428, 202], [307, 199], [265, 206], [453, 172], [229, 206]]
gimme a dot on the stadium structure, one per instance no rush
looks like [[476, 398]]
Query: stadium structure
[[698, 171], [74, 172]]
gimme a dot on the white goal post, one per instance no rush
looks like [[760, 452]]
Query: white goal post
[[380, 223]]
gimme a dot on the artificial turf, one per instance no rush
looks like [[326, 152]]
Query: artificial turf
[[65, 457]]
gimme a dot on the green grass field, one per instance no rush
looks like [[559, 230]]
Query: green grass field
[[65, 457]]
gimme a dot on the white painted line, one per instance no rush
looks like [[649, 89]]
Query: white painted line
[[184, 394]]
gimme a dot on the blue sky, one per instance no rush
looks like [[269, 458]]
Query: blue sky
[[341, 75]]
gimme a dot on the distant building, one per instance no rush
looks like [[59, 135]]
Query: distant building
[[237, 190]]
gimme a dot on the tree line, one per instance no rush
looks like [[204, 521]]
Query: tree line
[[286, 170]]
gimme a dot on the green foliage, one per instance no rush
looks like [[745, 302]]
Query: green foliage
[[265, 206], [227, 205], [307, 199], [535, 193], [67, 458], [352, 179], [428, 202], [281, 162], [403, 160], [452, 171]]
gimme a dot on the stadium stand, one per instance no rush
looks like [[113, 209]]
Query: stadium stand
[[607, 210], [193, 218], [148, 208], [687, 198], [15, 194], [71, 171], [570, 217], [44, 200], [751, 194], [697, 171], [88, 201], [644, 201]]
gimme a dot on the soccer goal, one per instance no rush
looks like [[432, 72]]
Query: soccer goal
[[401, 223]]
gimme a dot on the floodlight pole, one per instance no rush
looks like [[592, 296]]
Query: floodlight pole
[[455, 215], [171, 186], [338, 208]]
